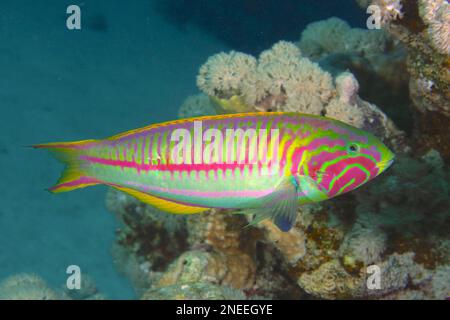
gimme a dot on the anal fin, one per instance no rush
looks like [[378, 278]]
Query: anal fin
[[162, 204]]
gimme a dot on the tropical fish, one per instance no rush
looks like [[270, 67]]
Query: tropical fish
[[266, 164]]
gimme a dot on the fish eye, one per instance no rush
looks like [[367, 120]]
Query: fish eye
[[353, 147]]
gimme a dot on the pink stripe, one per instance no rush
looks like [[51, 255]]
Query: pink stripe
[[207, 194], [163, 167]]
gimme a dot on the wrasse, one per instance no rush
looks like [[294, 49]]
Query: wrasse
[[266, 164]]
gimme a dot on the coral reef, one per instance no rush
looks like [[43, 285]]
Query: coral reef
[[390, 10], [284, 79], [280, 78], [436, 15], [398, 223], [424, 29], [27, 287], [406, 204], [233, 270], [216, 251], [376, 60], [153, 234], [24, 286], [331, 281], [325, 255], [363, 244], [147, 240], [194, 291], [334, 35]]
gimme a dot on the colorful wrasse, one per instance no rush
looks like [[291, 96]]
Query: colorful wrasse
[[264, 163]]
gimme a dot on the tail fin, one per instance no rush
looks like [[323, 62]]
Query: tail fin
[[74, 175]]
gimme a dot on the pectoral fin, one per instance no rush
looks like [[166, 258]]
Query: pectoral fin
[[280, 205]]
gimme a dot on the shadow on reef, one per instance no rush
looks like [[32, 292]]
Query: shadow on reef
[[252, 25]]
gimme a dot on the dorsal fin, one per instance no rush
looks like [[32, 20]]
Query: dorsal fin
[[161, 204]]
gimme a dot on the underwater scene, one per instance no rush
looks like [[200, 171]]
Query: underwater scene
[[225, 149]]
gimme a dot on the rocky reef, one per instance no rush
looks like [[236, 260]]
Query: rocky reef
[[25, 286], [423, 28], [398, 223], [326, 255]]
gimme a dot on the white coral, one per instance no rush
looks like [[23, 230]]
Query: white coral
[[345, 112], [281, 79], [347, 87], [440, 283], [306, 87], [324, 36], [335, 36], [365, 244], [223, 74], [345, 107], [397, 272], [283, 52], [26, 287]]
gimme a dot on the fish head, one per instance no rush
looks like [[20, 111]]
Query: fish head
[[343, 157]]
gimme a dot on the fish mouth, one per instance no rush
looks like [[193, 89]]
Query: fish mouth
[[385, 164]]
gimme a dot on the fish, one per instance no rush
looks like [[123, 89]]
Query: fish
[[265, 164]]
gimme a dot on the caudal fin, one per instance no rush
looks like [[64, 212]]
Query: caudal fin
[[74, 175]]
